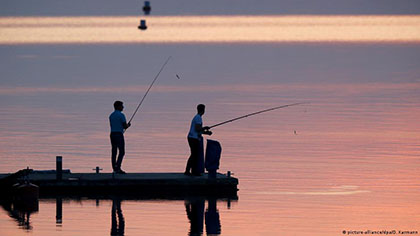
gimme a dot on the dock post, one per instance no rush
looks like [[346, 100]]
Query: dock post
[[59, 167], [97, 169]]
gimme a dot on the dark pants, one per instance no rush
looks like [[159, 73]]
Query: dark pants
[[192, 164], [117, 142]]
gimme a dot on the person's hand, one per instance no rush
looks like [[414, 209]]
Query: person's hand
[[129, 124], [208, 132], [206, 128]]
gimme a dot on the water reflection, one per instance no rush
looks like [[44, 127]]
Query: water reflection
[[20, 211], [117, 218], [85, 214], [59, 211], [195, 211], [212, 218], [194, 208]]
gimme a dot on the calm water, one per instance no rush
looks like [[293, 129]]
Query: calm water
[[353, 163], [211, 29]]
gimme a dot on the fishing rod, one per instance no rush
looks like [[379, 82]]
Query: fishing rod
[[161, 69], [255, 113]]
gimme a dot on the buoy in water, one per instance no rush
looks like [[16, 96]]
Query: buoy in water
[[142, 25], [147, 8]]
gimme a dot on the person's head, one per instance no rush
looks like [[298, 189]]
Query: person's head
[[201, 109], [118, 105]]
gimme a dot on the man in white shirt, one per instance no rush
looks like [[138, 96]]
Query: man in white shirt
[[118, 124], [194, 139]]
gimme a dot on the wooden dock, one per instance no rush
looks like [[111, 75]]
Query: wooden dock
[[141, 185]]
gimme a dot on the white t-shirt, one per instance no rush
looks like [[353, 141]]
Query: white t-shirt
[[193, 133]]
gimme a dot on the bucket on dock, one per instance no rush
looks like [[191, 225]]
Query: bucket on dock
[[213, 154]]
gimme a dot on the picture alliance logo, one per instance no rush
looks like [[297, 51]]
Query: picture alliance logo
[[380, 232]]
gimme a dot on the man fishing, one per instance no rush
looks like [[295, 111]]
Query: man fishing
[[194, 140], [118, 124]]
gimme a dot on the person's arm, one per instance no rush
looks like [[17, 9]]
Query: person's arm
[[203, 130], [124, 122], [125, 125]]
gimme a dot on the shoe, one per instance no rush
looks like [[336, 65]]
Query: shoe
[[121, 172], [187, 173]]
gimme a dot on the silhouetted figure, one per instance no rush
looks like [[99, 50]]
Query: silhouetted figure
[[118, 124], [195, 213], [117, 218], [213, 226], [195, 140]]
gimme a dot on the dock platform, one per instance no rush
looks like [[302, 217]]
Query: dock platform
[[147, 185]]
